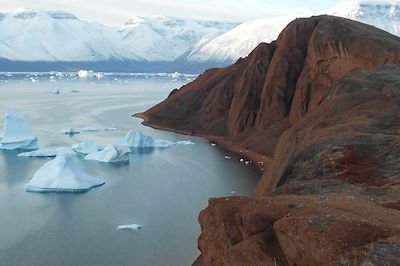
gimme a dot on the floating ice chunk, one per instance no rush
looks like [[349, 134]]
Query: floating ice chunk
[[227, 157], [86, 147], [213, 144], [136, 139], [241, 160], [83, 74], [46, 152], [90, 129], [111, 154], [133, 227], [17, 134], [55, 90], [176, 75], [62, 175], [69, 131], [99, 75], [185, 142]]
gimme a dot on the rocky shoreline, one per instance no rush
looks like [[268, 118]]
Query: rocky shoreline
[[320, 108]]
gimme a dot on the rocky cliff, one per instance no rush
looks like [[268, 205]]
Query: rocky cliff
[[321, 106]]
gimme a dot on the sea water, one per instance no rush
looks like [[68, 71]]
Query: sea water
[[163, 190]]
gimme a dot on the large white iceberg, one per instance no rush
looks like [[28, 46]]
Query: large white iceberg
[[111, 154], [17, 135], [135, 139], [86, 147], [47, 152], [62, 175]]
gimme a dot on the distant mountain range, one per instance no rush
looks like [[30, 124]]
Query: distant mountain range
[[33, 40]]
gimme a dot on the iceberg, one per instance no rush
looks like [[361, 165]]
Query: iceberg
[[46, 152], [17, 135], [90, 129], [69, 131], [136, 139], [133, 227], [62, 175], [83, 74], [113, 153], [86, 147]]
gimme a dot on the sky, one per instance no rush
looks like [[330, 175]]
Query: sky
[[116, 12]]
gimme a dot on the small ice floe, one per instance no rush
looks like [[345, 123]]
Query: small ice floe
[[176, 75], [233, 192], [246, 162], [83, 74], [133, 227], [135, 139], [74, 91], [213, 144], [17, 135], [99, 75], [241, 160], [55, 91], [86, 147], [90, 129], [47, 152], [227, 157], [62, 175], [111, 154], [184, 142], [69, 131], [110, 129]]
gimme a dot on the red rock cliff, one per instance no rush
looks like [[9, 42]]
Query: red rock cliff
[[315, 104]]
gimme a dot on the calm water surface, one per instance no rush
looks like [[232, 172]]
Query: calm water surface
[[163, 190]]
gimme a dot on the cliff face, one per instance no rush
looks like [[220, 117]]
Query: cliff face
[[286, 79], [322, 103]]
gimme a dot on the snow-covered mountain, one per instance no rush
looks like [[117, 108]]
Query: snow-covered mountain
[[381, 14], [50, 36], [239, 42], [225, 49], [60, 41]]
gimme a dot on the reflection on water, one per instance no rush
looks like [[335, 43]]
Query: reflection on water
[[161, 189]]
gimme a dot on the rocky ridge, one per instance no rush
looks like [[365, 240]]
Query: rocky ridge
[[319, 109]]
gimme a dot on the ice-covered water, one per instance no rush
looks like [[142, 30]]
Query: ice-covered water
[[162, 190]]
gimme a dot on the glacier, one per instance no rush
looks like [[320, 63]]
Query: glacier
[[112, 153], [62, 175], [86, 147], [17, 135]]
